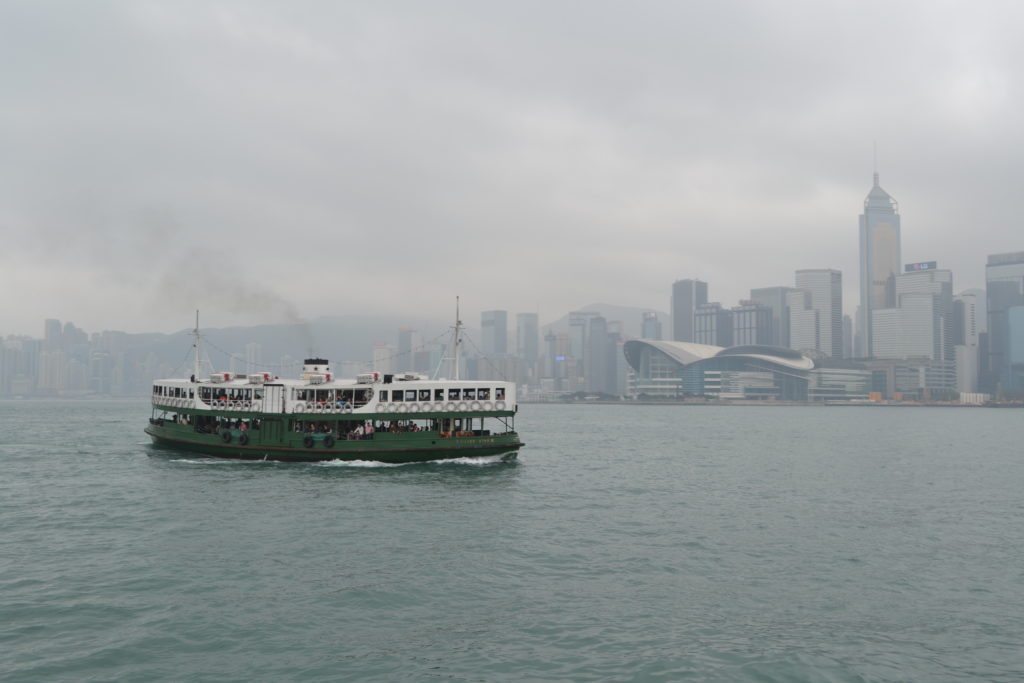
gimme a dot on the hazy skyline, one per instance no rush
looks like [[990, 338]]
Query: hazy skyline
[[270, 162]]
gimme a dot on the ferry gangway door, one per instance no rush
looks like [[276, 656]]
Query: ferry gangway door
[[273, 398]]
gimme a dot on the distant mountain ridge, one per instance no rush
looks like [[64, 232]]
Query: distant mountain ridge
[[631, 318], [351, 337]]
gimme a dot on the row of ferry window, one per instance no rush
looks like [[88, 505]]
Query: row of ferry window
[[332, 395], [473, 394], [173, 392]]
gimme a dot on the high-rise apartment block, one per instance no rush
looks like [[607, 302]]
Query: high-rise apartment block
[[687, 295]]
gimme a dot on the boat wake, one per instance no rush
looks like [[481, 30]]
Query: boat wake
[[474, 462]]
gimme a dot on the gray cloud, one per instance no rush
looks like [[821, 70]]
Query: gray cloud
[[356, 158]]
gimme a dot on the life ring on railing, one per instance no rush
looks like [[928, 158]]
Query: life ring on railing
[[328, 441], [402, 408], [225, 436], [463, 407], [450, 407], [438, 407], [500, 405], [476, 405], [392, 408], [308, 442], [243, 438], [414, 408], [247, 404], [488, 406], [309, 406]]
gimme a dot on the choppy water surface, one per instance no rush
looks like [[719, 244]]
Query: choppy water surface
[[627, 543]]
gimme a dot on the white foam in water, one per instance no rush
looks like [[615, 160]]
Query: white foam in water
[[222, 461], [489, 460]]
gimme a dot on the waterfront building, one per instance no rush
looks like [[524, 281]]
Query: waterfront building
[[966, 339], [664, 369], [598, 378], [687, 295], [879, 260], [1004, 284]]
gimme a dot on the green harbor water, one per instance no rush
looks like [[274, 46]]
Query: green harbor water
[[627, 543]]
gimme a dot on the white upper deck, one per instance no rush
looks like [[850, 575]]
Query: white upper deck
[[318, 391]]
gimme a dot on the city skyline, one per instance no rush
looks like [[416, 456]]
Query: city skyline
[[266, 163]]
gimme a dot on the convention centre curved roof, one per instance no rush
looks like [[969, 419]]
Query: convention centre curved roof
[[687, 353]]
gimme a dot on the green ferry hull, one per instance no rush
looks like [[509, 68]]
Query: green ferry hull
[[383, 447]]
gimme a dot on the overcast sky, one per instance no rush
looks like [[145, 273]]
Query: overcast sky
[[280, 161]]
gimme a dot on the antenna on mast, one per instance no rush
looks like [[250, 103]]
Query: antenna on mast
[[195, 346], [874, 148], [458, 338], [453, 359]]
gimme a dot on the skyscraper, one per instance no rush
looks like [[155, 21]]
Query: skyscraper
[[651, 326], [879, 260], [686, 296], [775, 299], [752, 324], [966, 338], [921, 324], [494, 332], [825, 287], [1004, 283], [712, 325], [527, 336]]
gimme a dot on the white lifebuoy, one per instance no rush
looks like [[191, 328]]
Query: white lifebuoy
[[476, 405], [309, 405], [402, 408], [438, 407], [450, 407], [463, 406], [391, 408], [488, 406], [414, 408], [500, 405], [246, 404]]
